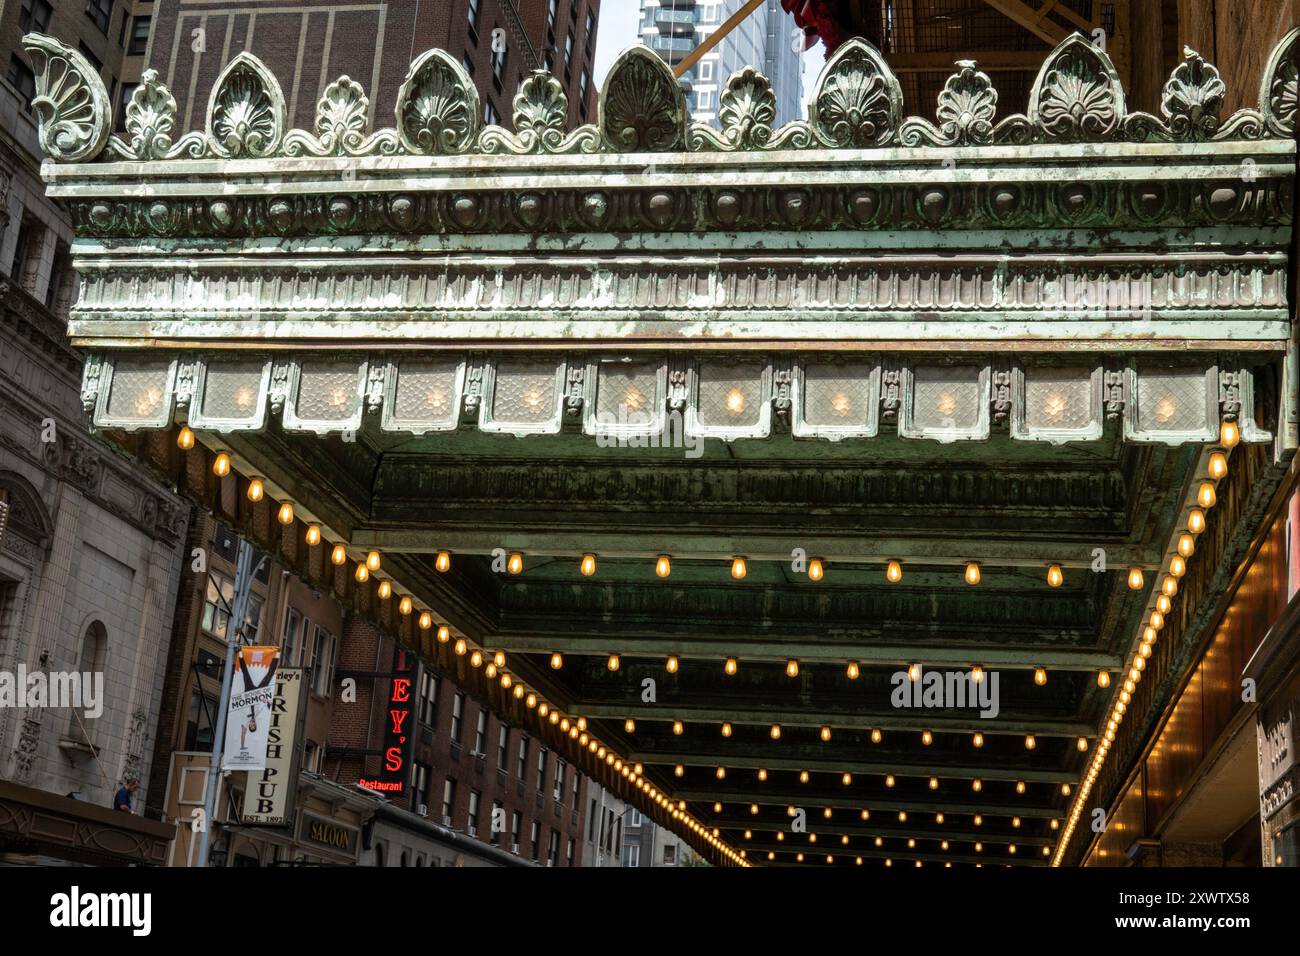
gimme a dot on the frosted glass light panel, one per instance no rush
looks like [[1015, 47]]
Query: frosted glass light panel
[[945, 403], [626, 397], [1056, 404], [1171, 403], [230, 394], [730, 399], [325, 395], [523, 396], [836, 400], [423, 394], [136, 392]]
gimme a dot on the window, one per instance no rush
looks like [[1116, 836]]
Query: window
[[704, 99], [568, 50], [591, 822], [58, 294], [448, 800], [577, 786], [480, 733], [636, 818], [100, 11], [632, 855], [34, 16], [468, 63], [553, 848], [139, 36], [457, 711], [94, 659], [551, 7], [198, 727], [705, 71], [474, 798], [523, 757], [568, 855], [216, 604], [252, 619], [589, 32], [559, 779], [583, 82], [322, 661], [475, 7], [420, 784], [93, 60], [22, 79], [490, 115], [428, 697], [514, 832], [292, 641], [536, 837], [541, 769], [670, 855], [499, 58], [498, 812], [503, 751]]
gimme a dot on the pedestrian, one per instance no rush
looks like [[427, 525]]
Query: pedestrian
[[122, 801]]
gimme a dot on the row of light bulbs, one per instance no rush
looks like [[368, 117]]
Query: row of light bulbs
[[494, 664], [1206, 497], [879, 842]]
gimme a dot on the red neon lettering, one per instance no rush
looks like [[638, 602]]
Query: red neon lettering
[[394, 761], [398, 717], [401, 690]]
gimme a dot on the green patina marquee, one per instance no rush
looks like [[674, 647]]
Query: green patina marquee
[[1004, 344]]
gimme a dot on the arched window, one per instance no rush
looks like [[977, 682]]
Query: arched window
[[379, 854], [92, 661]]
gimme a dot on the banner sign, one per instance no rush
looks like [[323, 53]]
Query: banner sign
[[271, 793], [394, 769], [248, 718]]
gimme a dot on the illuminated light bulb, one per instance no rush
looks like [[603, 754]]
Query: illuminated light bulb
[[312, 535], [726, 729], [443, 561], [256, 490], [846, 779], [1205, 495], [1065, 792], [1082, 744], [979, 820], [499, 659], [491, 672], [1020, 786], [879, 841], [803, 776], [460, 647], [1229, 433], [1157, 620], [557, 661], [976, 674], [876, 735], [914, 671], [1217, 466], [894, 572], [938, 818], [476, 660], [362, 574], [1135, 579], [1040, 676], [934, 783], [1055, 576], [519, 691], [734, 402], [977, 784], [671, 665], [978, 739], [679, 771], [753, 809], [1030, 742], [506, 681], [1169, 586], [972, 572], [911, 844], [927, 738], [762, 773], [372, 561], [738, 568], [531, 701], [554, 717], [1103, 679], [1163, 604], [979, 847], [404, 607], [815, 569], [1056, 824], [588, 565], [629, 725], [1196, 521], [1177, 566], [889, 780], [285, 514], [1150, 634], [444, 634], [663, 566], [826, 734], [612, 663], [221, 465], [678, 729], [729, 667], [385, 590], [853, 671], [792, 668], [185, 438], [515, 563], [865, 814], [426, 620]]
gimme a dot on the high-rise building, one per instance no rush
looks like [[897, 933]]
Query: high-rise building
[[765, 40], [309, 44]]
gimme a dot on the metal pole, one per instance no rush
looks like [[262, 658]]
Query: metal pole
[[243, 584], [714, 38]]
